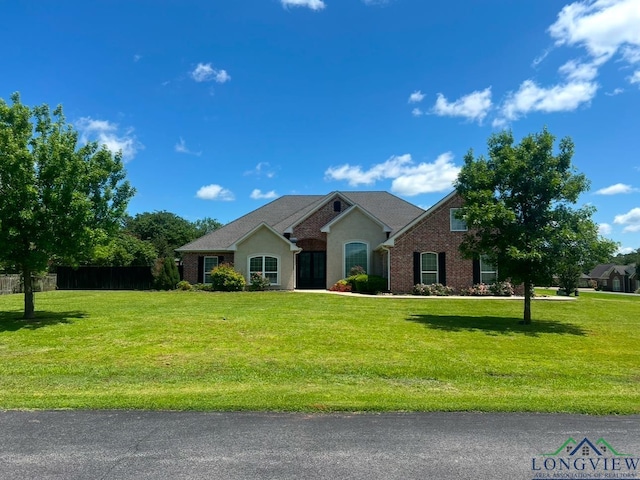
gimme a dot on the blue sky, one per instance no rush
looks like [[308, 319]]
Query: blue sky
[[220, 106]]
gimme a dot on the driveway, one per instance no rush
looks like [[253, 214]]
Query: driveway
[[191, 445]]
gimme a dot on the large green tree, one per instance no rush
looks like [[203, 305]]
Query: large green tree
[[518, 205], [59, 197], [125, 250], [168, 231]]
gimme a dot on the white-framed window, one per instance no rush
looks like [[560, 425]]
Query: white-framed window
[[457, 224], [267, 266], [488, 271], [209, 264], [356, 254], [429, 268]]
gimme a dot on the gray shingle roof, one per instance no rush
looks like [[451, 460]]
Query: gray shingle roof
[[286, 211]]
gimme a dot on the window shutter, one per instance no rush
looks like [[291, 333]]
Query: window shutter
[[417, 270], [220, 259], [200, 269], [442, 268], [476, 270]]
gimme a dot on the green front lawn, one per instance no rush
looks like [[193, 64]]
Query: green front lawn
[[318, 352]]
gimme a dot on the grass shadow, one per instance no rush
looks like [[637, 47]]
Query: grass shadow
[[497, 325], [13, 321]]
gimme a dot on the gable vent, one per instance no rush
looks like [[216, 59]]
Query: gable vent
[[337, 206]]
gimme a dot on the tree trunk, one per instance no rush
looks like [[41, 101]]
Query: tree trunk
[[526, 320], [29, 307]]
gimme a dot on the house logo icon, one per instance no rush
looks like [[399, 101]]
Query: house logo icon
[[586, 459]]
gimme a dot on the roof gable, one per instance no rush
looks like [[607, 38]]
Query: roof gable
[[349, 211]]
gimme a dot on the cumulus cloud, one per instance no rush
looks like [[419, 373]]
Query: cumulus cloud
[[408, 178], [204, 72], [625, 250], [473, 107], [416, 112], [107, 133], [604, 229], [635, 78], [312, 4], [532, 98], [257, 194], [416, 97], [631, 220], [181, 147], [215, 192], [616, 189]]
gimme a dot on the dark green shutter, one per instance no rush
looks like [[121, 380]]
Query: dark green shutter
[[417, 268], [476, 271], [442, 268], [200, 270]]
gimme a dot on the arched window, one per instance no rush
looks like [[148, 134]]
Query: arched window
[[356, 254], [429, 268], [266, 266], [616, 284]]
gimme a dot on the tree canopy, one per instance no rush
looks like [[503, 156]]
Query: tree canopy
[[518, 205], [59, 198]]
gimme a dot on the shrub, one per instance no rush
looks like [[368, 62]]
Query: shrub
[[501, 289], [357, 270], [258, 282], [637, 291], [478, 290], [184, 285], [165, 274], [364, 283], [341, 286], [593, 284], [225, 278], [435, 289]]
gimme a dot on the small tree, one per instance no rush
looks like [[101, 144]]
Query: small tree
[[58, 199], [166, 275], [517, 205]]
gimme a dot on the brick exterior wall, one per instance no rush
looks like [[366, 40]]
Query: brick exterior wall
[[309, 229], [432, 234], [190, 264]]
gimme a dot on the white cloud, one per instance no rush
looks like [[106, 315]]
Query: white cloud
[[631, 219], [604, 229], [635, 78], [532, 98], [215, 192], [106, 133], [576, 71], [312, 4], [416, 112], [473, 106], [615, 92], [181, 147], [263, 169], [603, 27], [616, 189], [408, 178], [204, 72], [416, 97], [258, 195], [137, 58], [625, 250]]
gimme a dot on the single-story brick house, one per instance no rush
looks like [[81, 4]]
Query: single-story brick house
[[615, 278], [312, 241]]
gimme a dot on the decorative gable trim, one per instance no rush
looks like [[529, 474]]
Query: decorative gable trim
[[328, 198]]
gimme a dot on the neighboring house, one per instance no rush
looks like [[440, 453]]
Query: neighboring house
[[312, 241], [616, 278]]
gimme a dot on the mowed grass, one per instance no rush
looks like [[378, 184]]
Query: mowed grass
[[318, 352]]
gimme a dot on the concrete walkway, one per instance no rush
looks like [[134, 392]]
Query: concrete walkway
[[538, 298]]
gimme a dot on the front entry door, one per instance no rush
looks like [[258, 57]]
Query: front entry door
[[312, 270]]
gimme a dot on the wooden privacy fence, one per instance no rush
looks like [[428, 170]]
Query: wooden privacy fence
[[104, 278], [12, 283]]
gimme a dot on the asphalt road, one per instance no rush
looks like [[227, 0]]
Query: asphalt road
[[191, 445]]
